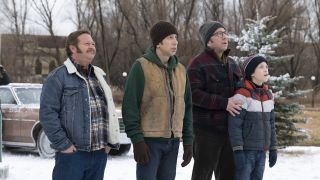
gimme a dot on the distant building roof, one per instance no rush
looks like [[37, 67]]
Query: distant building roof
[[43, 41]]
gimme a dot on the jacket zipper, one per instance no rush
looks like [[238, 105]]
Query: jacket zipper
[[263, 121], [170, 91]]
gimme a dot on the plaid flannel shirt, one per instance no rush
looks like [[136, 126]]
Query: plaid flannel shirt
[[99, 110]]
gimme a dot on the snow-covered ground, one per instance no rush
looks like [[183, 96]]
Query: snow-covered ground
[[294, 163]]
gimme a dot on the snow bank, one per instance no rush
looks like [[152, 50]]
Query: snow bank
[[294, 163]]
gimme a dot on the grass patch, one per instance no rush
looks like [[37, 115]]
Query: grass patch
[[293, 153], [313, 126]]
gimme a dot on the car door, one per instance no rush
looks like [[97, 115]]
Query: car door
[[29, 104], [10, 116]]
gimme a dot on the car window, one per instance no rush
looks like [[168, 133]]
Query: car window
[[7, 97], [28, 95]]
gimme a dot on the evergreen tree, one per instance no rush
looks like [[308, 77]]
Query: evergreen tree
[[257, 40]]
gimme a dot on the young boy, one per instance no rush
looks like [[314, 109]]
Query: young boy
[[252, 132]]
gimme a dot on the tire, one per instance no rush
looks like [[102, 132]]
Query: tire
[[124, 149], [43, 146]]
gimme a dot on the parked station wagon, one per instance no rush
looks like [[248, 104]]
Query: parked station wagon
[[20, 103]]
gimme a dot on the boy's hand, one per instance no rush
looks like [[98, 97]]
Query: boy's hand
[[272, 158]]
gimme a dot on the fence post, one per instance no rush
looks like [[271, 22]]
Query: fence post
[[0, 134], [4, 169]]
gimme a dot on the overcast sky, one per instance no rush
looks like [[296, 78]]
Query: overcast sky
[[63, 25], [63, 12]]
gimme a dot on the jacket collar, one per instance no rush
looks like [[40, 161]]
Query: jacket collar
[[214, 55], [252, 88], [71, 68], [152, 57], [250, 85]]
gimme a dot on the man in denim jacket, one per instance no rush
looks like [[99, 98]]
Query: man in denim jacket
[[77, 113]]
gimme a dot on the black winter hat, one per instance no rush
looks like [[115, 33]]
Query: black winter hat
[[207, 30], [161, 30], [250, 65]]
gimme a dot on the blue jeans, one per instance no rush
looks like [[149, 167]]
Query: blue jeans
[[254, 166], [162, 162], [80, 165]]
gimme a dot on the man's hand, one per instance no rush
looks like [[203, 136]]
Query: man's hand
[[107, 149], [70, 149], [187, 155], [141, 152], [234, 106]]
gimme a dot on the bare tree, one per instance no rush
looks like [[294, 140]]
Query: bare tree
[[16, 13], [105, 22], [110, 34], [214, 10], [102, 34], [79, 13], [44, 8], [123, 25], [295, 32], [125, 7], [87, 16], [188, 16], [248, 9], [314, 34]]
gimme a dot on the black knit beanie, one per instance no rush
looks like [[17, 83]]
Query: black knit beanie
[[161, 30], [207, 30], [250, 65]]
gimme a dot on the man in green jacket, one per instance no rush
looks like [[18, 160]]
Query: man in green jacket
[[157, 107]]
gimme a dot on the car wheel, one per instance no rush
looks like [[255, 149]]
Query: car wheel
[[124, 149], [43, 145]]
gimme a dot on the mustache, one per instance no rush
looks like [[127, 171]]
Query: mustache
[[91, 50]]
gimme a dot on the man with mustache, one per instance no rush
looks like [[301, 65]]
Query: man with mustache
[[77, 113]]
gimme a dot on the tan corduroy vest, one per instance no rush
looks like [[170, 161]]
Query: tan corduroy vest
[[162, 110]]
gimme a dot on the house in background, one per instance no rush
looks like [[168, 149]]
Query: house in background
[[30, 58]]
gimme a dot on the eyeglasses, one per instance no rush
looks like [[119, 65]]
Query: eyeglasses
[[220, 34]]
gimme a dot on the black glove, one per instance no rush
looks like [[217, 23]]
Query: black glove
[[239, 159], [272, 157], [141, 152], [187, 155]]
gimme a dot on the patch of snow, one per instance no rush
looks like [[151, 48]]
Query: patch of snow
[[294, 163]]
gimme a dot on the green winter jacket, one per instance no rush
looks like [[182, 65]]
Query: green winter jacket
[[157, 100]]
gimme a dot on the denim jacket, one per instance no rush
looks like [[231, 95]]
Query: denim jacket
[[65, 111]]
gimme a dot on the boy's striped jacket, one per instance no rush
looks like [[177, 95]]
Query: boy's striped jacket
[[254, 127]]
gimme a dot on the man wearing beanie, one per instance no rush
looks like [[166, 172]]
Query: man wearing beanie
[[252, 132], [213, 76], [157, 107]]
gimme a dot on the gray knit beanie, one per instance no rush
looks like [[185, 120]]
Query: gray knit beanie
[[207, 30]]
